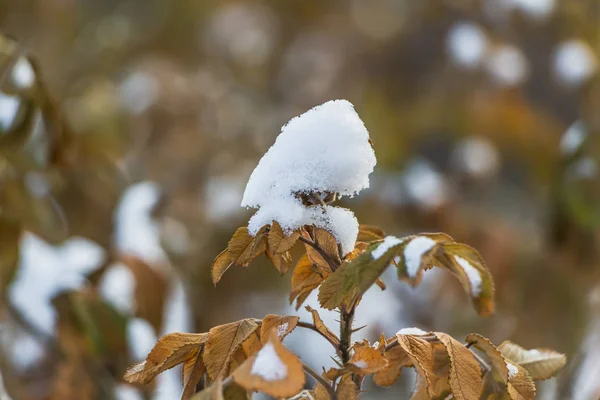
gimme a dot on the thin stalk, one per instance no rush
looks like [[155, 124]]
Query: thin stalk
[[321, 380]]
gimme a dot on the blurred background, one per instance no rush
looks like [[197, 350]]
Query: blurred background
[[128, 129]]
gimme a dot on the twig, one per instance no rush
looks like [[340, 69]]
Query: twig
[[308, 325], [321, 380], [332, 264]]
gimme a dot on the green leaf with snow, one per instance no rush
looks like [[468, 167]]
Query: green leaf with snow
[[354, 277]]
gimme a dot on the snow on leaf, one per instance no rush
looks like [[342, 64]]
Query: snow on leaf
[[383, 247], [274, 370], [223, 341], [169, 351], [414, 252], [325, 150], [540, 363], [282, 324], [411, 331], [465, 373], [520, 386], [472, 274]]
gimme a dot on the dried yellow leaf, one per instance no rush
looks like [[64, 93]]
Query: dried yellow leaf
[[540, 363], [304, 280], [222, 342], [278, 241], [367, 360], [274, 370], [283, 325], [465, 373], [397, 359], [321, 327]]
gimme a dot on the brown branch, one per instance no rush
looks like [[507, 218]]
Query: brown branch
[[332, 264], [321, 380]]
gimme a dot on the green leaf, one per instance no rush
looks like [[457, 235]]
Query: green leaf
[[353, 278]]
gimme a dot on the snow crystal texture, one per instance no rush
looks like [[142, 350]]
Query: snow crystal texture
[[268, 365], [411, 331], [323, 150]]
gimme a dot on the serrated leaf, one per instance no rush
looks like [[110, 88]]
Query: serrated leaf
[[353, 278], [465, 373], [305, 279], [472, 273], [243, 248], [169, 351], [222, 342], [418, 254], [491, 351], [278, 241], [520, 385], [421, 354], [326, 241], [283, 325], [321, 327], [366, 359], [397, 359], [274, 370], [192, 372], [540, 363]]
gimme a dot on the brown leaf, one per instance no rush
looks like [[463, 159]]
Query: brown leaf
[[321, 327], [472, 273], [214, 392], [221, 264], [369, 233], [169, 351], [241, 250], [278, 241], [192, 372], [346, 388], [421, 354], [244, 248], [223, 341], [465, 373], [358, 249], [366, 359], [282, 261], [282, 325], [397, 359], [495, 357], [540, 363], [305, 279], [520, 384], [274, 370]]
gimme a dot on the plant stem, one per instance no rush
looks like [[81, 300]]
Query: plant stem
[[321, 380], [347, 317]]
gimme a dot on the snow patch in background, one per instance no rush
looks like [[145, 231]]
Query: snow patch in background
[[507, 65], [574, 62], [9, 106], [46, 270], [466, 44]]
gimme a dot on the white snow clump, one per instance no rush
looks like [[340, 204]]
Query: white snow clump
[[324, 150]]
